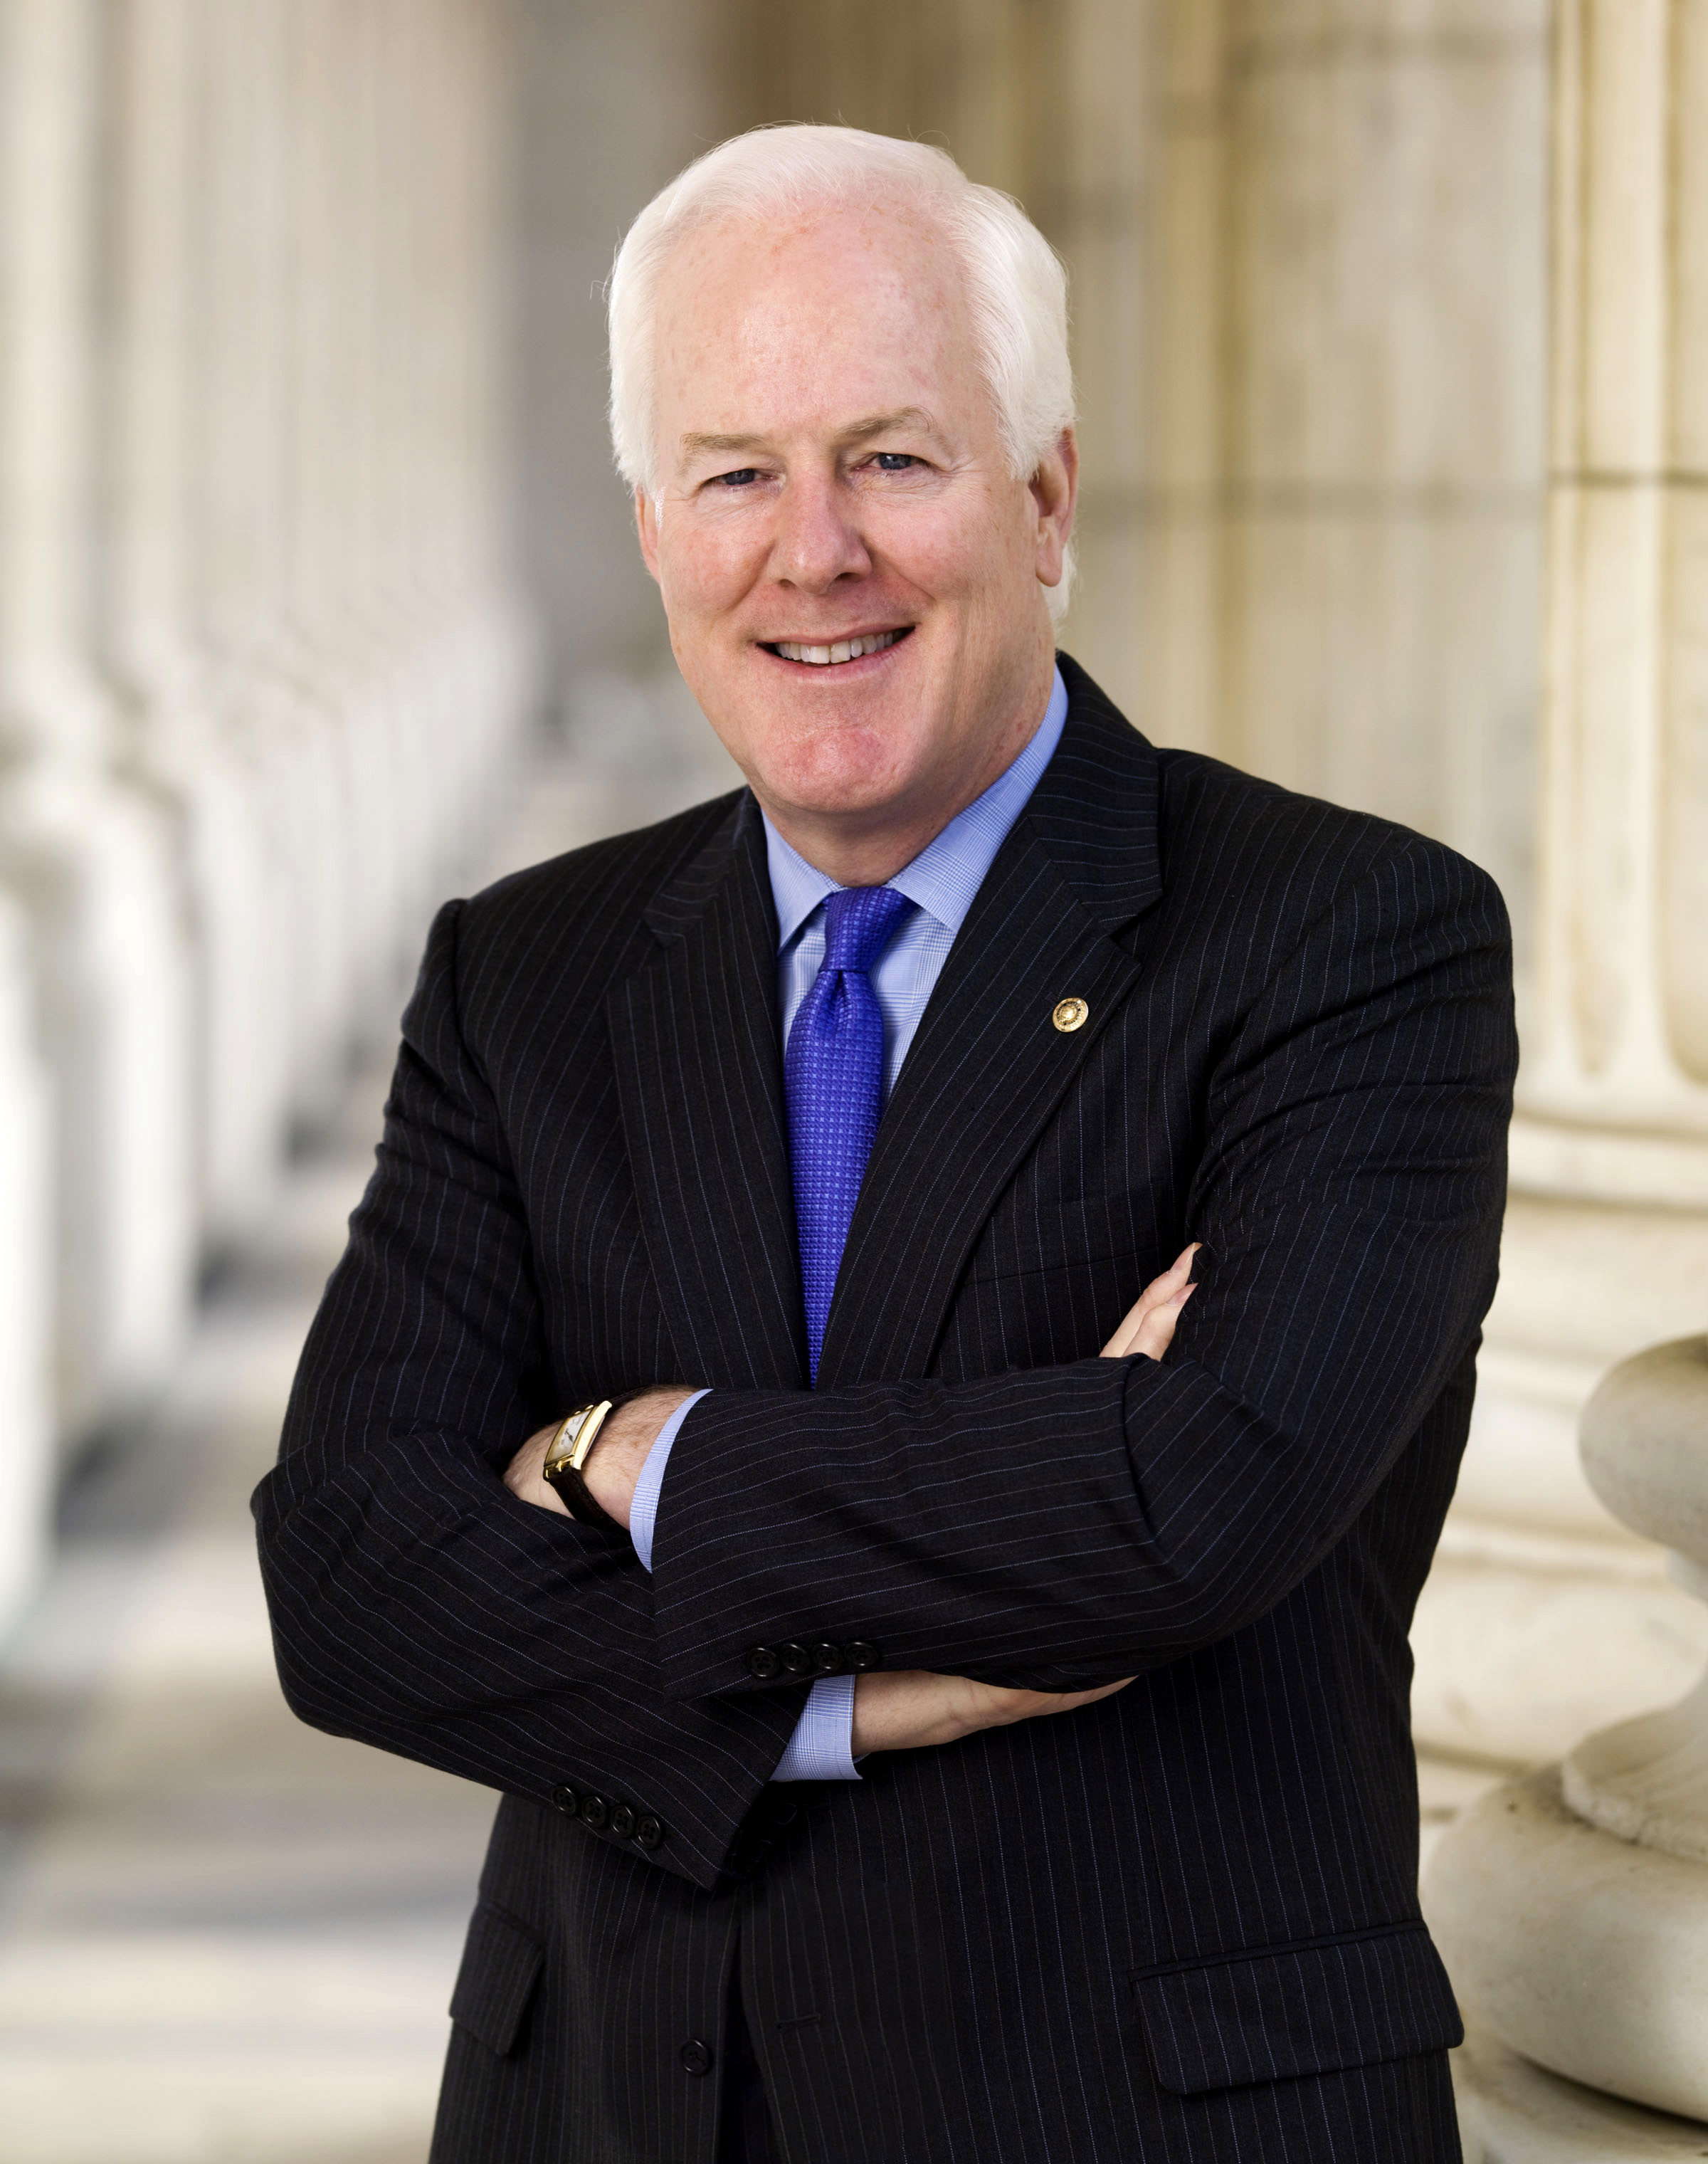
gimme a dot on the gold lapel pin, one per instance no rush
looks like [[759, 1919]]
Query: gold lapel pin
[[1069, 1014]]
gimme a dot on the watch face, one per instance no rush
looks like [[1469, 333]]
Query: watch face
[[564, 1447]]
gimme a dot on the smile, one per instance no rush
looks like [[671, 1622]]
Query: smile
[[844, 649]]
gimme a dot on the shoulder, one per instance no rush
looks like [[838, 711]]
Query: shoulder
[[1227, 832], [1131, 823]]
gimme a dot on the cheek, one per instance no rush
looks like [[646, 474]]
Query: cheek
[[704, 570], [951, 552]]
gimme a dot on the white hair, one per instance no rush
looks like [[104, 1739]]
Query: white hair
[[1016, 285]]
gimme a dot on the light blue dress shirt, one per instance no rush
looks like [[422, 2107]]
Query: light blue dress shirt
[[943, 880]]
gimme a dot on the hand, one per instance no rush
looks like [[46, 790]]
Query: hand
[[911, 1708], [618, 1455], [1148, 1325]]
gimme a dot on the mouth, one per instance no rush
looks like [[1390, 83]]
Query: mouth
[[839, 654]]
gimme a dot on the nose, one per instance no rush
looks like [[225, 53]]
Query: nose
[[818, 539]]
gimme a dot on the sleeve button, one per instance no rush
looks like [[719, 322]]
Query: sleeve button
[[795, 1657], [861, 1656], [649, 1832], [763, 1663], [566, 1801], [595, 1812], [827, 1658], [622, 1820]]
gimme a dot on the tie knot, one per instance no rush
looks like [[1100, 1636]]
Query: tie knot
[[859, 923]]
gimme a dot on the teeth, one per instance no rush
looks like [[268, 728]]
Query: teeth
[[844, 650]]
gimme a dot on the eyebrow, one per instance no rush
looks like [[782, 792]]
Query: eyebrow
[[857, 432]]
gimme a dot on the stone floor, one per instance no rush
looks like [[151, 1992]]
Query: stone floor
[[225, 1939]]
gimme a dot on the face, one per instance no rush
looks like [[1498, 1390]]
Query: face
[[851, 571]]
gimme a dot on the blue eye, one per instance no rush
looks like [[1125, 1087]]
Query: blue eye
[[740, 478], [895, 461]]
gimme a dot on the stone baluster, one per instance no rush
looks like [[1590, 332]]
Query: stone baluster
[[26, 1277], [1572, 1904], [88, 857]]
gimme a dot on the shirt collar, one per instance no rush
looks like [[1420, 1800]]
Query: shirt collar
[[947, 873]]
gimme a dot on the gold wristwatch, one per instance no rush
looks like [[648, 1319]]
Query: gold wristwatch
[[567, 1455]]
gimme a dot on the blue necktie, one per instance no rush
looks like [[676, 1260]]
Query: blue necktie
[[833, 1076]]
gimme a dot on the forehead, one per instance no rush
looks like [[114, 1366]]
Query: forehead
[[858, 310]]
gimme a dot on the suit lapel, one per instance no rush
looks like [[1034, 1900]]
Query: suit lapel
[[988, 1067], [699, 1078]]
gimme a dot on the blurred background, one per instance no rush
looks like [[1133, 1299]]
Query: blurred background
[[319, 603]]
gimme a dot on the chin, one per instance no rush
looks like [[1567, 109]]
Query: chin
[[837, 771]]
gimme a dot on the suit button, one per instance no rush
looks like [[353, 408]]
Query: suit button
[[595, 1812], [861, 1656], [649, 1832], [696, 2057], [827, 1658], [622, 1820], [566, 1801], [763, 1663], [795, 1657]]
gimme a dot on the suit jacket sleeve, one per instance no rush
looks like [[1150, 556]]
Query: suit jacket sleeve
[[417, 1604], [1062, 1526]]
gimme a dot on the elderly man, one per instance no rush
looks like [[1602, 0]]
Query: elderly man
[[929, 1726]]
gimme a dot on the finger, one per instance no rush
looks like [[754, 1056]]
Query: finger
[[1160, 1289], [1177, 1271], [1131, 1336], [1069, 1700], [1155, 1333]]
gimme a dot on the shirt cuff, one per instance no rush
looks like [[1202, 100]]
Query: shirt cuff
[[643, 1511], [822, 1746]]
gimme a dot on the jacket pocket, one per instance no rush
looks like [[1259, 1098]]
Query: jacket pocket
[[501, 1965], [1306, 2009]]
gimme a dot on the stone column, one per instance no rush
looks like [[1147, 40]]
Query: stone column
[[443, 714], [1572, 1906], [88, 858], [1607, 1237], [1334, 512], [254, 275], [157, 377]]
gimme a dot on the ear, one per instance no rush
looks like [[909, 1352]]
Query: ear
[[1054, 490], [646, 525]]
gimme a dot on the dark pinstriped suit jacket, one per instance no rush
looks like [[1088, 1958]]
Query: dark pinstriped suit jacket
[[1181, 1924]]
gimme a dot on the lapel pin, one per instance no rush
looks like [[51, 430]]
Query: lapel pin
[[1070, 1015]]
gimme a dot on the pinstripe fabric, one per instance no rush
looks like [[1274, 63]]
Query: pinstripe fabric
[[1180, 1925]]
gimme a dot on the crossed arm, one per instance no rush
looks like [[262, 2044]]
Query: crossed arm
[[1350, 1184], [906, 1708]]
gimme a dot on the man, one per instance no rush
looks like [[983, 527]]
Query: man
[[943, 1730]]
